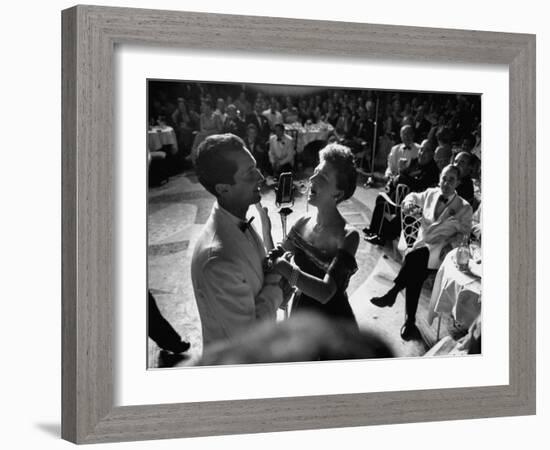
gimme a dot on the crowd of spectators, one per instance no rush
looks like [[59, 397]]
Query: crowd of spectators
[[449, 122]]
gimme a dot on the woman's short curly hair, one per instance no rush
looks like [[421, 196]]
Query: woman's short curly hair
[[340, 157]]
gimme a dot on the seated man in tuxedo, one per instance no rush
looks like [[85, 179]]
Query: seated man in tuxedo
[[231, 288], [281, 151], [419, 175], [445, 218]]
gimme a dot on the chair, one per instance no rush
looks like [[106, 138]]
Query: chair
[[392, 209], [293, 133], [410, 224]]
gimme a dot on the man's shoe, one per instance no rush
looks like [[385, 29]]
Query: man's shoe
[[386, 300], [374, 239], [409, 331], [177, 347]]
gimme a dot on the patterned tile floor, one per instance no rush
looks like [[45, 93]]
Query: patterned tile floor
[[178, 210]]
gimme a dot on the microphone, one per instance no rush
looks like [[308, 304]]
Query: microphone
[[285, 190]]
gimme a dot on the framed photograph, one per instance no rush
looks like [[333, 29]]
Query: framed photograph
[[107, 286]]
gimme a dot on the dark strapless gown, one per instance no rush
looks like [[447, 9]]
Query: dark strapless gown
[[317, 263]]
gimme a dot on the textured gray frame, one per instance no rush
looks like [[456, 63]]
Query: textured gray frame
[[89, 36]]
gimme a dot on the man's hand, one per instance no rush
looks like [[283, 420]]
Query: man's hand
[[263, 212]]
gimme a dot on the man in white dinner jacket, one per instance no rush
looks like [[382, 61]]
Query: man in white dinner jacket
[[445, 219], [231, 289]]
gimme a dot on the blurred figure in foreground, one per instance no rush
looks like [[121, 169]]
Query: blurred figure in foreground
[[304, 337]]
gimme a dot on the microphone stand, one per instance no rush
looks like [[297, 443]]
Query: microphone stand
[[284, 211], [370, 180]]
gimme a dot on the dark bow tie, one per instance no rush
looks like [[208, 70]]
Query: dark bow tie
[[406, 147], [245, 225], [442, 199]]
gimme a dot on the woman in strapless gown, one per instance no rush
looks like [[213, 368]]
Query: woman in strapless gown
[[321, 249]]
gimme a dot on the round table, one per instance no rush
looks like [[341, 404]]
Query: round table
[[455, 292], [309, 133], [157, 137]]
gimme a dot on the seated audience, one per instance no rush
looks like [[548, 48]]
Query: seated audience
[[281, 151], [422, 172], [446, 217], [418, 176]]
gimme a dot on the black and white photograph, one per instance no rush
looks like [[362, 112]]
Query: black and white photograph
[[305, 223]]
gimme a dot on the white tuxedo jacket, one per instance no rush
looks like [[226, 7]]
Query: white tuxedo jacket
[[230, 288], [454, 221]]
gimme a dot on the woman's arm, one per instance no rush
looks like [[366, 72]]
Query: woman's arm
[[323, 289]]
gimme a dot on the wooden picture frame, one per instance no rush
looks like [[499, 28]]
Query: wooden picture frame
[[90, 34]]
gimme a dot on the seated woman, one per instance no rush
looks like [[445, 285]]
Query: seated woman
[[323, 247], [446, 217]]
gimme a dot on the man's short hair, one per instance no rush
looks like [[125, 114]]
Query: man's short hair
[[279, 125], [452, 168], [214, 163], [341, 158], [467, 155]]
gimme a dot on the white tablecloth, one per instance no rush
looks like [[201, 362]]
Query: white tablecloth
[[157, 137], [456, 293], [309, 133]]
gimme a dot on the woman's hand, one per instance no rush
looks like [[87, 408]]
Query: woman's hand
[[279, 261]]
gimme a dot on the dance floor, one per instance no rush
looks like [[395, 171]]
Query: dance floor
[[177, 212]]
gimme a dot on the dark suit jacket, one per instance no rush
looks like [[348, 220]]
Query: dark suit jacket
[[259, 151], [419, 178], [465, 189], [235, 126], [262, 123]]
